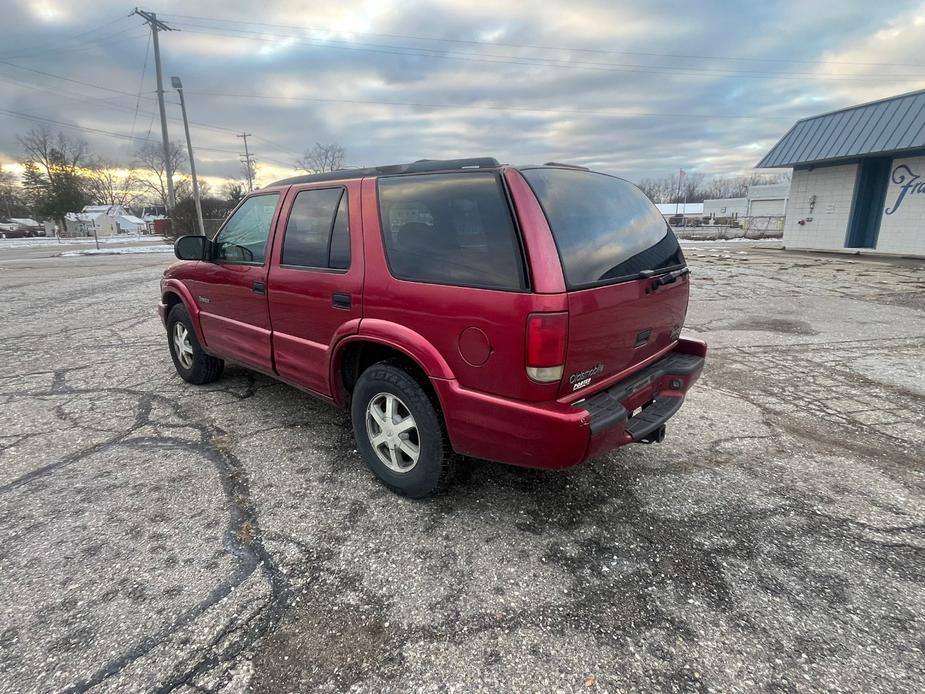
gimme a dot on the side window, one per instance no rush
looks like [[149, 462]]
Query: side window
[[243, 239], [451, 229], [317, 232], [340, 237]]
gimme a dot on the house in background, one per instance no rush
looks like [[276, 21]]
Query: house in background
[[858, 177], [766, 201], [130, 224], [97, 224], [681, 214], [103, 220], [728, 209]]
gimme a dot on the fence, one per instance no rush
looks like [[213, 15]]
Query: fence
[[752, 228]]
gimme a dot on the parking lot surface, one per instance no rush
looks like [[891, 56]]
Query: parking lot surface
[[162, 536]]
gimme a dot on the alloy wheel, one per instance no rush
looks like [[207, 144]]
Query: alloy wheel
[[393, 433], [182, 345]]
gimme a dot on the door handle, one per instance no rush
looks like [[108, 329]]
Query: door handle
[[341, 300], [260, 287]]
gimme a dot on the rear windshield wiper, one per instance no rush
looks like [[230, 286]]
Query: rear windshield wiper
[[664, 278]]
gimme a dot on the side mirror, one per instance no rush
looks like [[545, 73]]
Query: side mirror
[[191, 248]]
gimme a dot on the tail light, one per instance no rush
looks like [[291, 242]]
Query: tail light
[[546, 335]]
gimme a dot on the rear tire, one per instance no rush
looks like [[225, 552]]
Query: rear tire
[[191, 362], [399, 431]]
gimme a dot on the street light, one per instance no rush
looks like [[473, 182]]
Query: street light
[[178, 85]]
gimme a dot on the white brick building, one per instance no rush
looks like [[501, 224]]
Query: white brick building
[[858, 178]]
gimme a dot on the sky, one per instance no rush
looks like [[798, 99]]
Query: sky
[[639, 88]]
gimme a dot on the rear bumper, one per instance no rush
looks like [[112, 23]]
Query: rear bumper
[[556, 434]]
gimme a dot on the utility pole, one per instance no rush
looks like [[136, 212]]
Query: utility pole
[[178, 85], [156, 26], [677, 198], [247, 163]]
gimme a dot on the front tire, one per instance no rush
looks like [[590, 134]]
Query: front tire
[[191, 362], [399, 431]]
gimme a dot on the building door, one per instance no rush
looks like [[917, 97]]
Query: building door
[[869, 197]]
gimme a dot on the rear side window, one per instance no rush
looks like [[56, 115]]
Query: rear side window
[[317, 231], [451, 229], [605, 228]]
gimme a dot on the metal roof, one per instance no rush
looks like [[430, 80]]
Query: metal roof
[[888, 125]]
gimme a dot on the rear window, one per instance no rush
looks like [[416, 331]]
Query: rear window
[[450, 229], [317, 233], [605, 228]]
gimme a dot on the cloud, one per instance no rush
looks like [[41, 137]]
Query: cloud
[[634, 88]]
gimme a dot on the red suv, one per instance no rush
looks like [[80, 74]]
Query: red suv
[[529, 315]]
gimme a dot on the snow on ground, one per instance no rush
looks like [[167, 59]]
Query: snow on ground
[[163, 248], [713, 242], [44, 242]]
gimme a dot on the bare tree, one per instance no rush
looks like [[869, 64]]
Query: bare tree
[[11, 198], [53, 178], [695, 187], [234, 192], [108, 184], [149, 160], [659, 189], [55, 153], [321, 158]]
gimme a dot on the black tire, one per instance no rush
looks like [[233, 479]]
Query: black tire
[[203, 368], [433, 470]]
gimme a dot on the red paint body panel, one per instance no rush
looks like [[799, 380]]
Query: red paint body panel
[[548, 435], [438, 314], [304, 318], [606, 322], [545, 268], [235, 321], [544, 435], [491, 408], [177, 286]]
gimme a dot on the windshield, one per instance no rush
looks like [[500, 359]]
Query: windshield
[[605, 228]]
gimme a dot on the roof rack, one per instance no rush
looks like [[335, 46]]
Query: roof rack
[[419, 166], [567, 166]]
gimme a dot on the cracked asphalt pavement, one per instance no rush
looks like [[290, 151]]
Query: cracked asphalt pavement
[[158, 536]]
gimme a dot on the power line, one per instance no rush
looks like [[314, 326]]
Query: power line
[[66, 79], [54, 47], [141, 84], [52, 121], [62, 93], [278, 146], [95, 100], [93, 46], [470, 107], [495, 59], [602, 51], [92, 130], [412, 104]]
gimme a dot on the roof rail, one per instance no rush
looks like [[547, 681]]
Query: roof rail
[[567, 166], [419, 166], [448, 164]]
